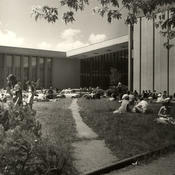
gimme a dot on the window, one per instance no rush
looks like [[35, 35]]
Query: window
[[33, 69], [41, 71], [17, 67], [8, 64], [49, 72], [26, 68]]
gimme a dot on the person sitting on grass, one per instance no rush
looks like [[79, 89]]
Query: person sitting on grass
[[124, 105], [164, 115], [160, 98], [164, 111], [141, 107]]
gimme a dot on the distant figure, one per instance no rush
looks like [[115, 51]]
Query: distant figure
[[165, 95], [160, 98], [136, 94], [120, 90], [164, 111], [141, 107], [164, 115], [50, 93], [17, 93], [154, 95], [11, 81], [31, 93], [124, 105]]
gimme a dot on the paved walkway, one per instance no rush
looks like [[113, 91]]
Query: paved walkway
[[165, 165], [89, 153]]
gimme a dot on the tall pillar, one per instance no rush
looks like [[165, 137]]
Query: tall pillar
[[130, 58], [37, 68], [168, 54], [30, 67], [153, 54], [22, 67], [5, 66], [140, 69], [13, 65], [45, 73]]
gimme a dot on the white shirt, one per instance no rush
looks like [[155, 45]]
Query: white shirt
[[143, 104]]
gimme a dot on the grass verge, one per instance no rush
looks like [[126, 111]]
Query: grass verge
[[59, 128], [126, 134]]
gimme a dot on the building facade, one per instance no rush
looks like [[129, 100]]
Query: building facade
[[49, 67], [153, 62], [139, 60], [103, 64], [104, 70]]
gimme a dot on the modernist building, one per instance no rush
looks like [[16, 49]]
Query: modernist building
[[89, 66], [153, 63], [103, 64], [51, 68], [138, 60]]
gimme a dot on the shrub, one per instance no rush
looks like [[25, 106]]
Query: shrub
[[23, 150]]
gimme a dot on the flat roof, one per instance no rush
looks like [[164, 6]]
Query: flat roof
[[92, 50], [31, 52], [100, 48]]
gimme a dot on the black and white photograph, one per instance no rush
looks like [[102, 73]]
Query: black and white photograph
[[87, 87]]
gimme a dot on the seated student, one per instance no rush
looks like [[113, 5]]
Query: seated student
[[141, 107], [124, 105], [160, 98], [154, 95], [50, 93], [164, 113], [131, 98]]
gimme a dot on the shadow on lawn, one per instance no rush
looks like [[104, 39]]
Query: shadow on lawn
[[126, 134]]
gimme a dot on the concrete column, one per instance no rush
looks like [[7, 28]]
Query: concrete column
[[37, 68], [130, 58], [45, 73], [22, 67], [30, 68], [5, 66], [13, 65]]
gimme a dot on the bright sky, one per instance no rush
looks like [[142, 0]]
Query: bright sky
[[19, 29]]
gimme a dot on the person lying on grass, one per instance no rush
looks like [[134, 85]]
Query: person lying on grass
[[141, 107], [124, 105], [164, 115]]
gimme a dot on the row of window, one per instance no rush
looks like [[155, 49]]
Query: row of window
[[29, 68], [105, 70]]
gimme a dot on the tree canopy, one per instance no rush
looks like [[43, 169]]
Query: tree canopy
[[112, 9]]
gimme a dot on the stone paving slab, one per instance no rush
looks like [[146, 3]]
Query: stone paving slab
[[83, 131], [91, 154]]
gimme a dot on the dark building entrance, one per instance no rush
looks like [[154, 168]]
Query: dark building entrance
[[104, 70]]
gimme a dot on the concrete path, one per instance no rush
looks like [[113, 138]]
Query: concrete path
[[83, 131], [165, 165], [89, 153]]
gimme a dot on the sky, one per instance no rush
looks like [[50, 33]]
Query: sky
[[19, 29]]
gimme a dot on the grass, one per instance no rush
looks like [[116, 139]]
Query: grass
[[126, 134], [58, 126]]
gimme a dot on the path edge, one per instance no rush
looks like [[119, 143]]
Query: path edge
[[128, 161]]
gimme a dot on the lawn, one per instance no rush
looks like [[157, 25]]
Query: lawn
[[58, 126], [126, 134]]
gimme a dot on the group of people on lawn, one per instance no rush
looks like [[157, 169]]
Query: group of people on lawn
[[131, 103]]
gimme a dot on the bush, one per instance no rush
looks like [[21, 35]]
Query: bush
[[22, 149]]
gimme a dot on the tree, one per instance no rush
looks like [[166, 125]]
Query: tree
[[113, 10]]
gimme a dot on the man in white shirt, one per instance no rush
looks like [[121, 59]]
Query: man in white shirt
[[141, 107], [124, 105]]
